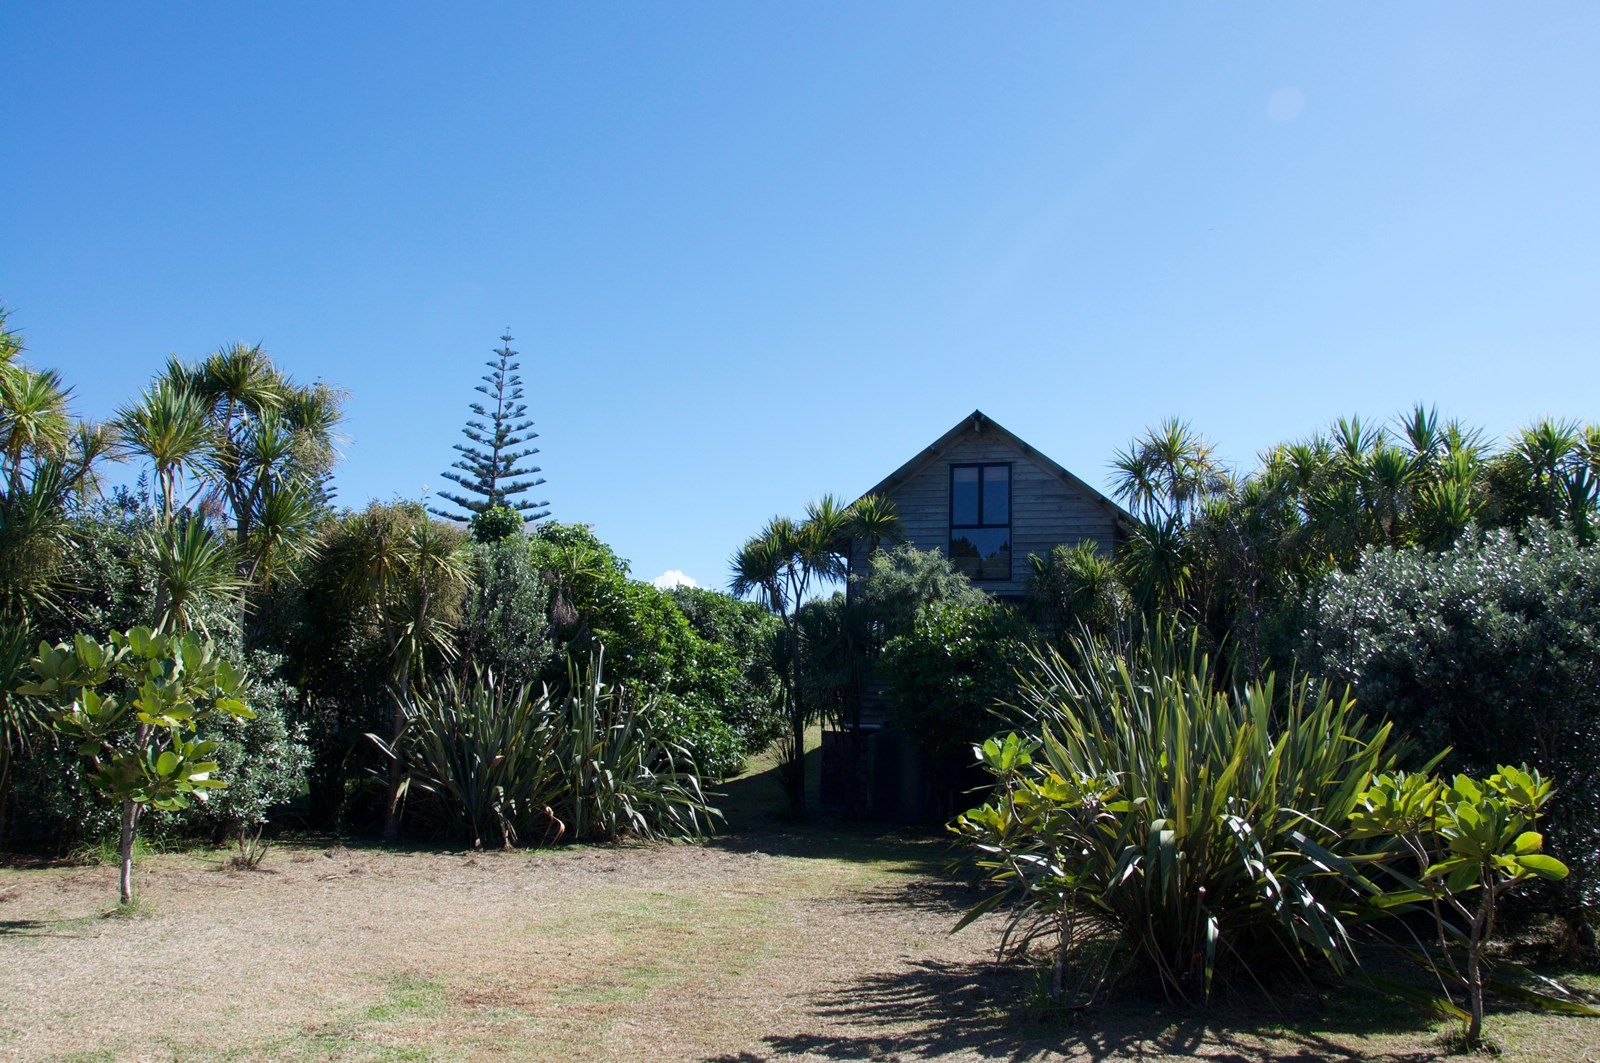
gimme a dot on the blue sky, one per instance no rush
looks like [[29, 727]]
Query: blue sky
[[754, 253]]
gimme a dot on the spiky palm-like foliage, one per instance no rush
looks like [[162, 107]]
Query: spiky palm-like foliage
[[1193, 825], [874, 521], [1241, 557], [193, 566], [47, 461], [169, 426], [33, 418], [1077, 585], [623, 777], [493, 469], [589, 763], [781, 567], [487, 750], [408, 575]]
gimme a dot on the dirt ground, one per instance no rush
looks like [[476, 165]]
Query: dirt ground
[[824, 943]]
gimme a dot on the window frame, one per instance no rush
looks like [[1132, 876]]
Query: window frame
[[950, 514]]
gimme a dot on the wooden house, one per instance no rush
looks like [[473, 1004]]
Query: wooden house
[[987, 499]]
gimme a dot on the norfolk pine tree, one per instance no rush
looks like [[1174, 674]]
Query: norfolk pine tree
[[491, 470]]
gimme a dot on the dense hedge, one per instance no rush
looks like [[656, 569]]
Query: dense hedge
[[1491, 648]]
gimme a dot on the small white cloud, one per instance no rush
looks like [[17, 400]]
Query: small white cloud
[[673, 577], [1285, 104]]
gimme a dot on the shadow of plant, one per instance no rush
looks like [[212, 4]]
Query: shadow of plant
[[931, 1009]]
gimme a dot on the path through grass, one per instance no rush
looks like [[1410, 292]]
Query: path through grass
[[823, 942]]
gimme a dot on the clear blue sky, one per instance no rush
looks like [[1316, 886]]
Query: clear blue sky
[[753, 253]]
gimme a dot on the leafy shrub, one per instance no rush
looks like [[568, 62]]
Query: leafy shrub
[[948, 672], [1470, 842], [741, 681], [1194, 827], [652, 648], [264, 759], [136, 707], [504, 623], [496, 523], [1493, 649], [902, 581]]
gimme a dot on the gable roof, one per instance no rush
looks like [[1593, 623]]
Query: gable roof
[[977, 421]]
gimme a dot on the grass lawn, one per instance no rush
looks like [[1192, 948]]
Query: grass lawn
[[820, 942]]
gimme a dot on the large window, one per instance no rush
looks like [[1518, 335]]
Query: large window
[[980, 520]]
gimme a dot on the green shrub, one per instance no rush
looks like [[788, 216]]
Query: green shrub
[[264, 758], [504, 621], [740, 679], [949, 671], [902, 581], [1469, 843], [495, 524], [712, 688], [1194, 827], [1493, 649]]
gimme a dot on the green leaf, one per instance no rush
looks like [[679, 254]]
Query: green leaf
[[1528, 842], [1546, 867]]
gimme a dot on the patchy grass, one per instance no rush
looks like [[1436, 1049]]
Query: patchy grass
[[780, 940]]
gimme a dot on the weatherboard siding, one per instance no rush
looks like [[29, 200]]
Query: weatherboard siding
[[1046, 510]]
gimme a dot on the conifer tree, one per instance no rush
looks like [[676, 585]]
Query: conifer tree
[[493, 469]]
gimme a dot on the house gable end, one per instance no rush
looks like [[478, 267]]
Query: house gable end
[[1048, 505]]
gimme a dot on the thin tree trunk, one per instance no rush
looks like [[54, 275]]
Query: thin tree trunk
[[130, 823], [397, 724], [796, 781], [1475, 940], [5, 794], [797, 766], [1058, 970]]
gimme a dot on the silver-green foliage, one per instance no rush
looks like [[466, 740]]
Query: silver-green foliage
[[1493, 649]]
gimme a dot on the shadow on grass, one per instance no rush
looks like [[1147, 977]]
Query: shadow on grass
[[931, 1009], [758, 820], [71, 927]]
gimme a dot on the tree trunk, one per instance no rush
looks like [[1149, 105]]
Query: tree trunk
[[391, 814], [1058, 969], [397, 724], [5, 794], [797, 765], [1475, 941], [130, 823]]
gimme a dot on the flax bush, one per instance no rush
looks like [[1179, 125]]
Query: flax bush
[[528, 766], [1158, 819]]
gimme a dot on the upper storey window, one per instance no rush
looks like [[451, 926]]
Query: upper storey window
[[980, 521]]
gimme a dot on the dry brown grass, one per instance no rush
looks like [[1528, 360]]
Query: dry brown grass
[[816, 944]]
